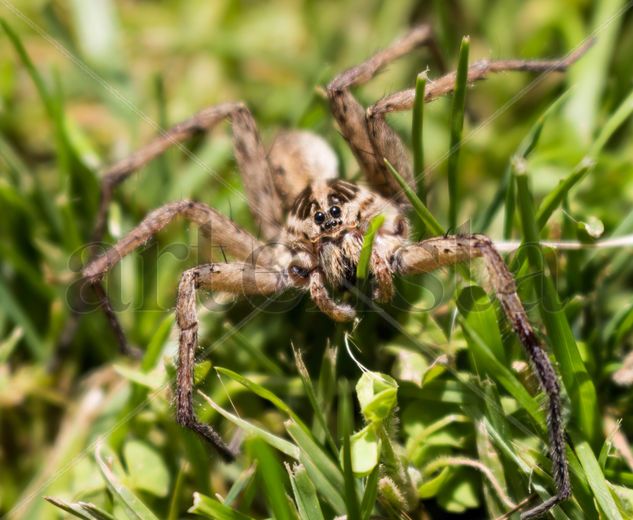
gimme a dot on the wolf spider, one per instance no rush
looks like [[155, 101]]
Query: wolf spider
[[315, 223]]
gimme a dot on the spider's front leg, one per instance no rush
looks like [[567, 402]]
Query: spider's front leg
[[343, 312], [233, 278], [383, 276], [221, 231], [254, 167], [388, 240], [326, 304], [434, 253]]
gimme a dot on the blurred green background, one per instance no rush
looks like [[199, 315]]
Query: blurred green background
[[83, 84]]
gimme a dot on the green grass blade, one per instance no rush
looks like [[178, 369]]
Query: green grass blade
[[495, 419], [243, 343], [42, 90], [624, 478], [476, 307], [276, 442], [311, 393], [510, 206], [212, 508], [554, 199], [316, 453], [163, 162], [345, 421], [486, 359], [264, 393], [615, 121], [590, 74], [8, 344], [506, 188], [362, 269], [325, 474], [575, 377], [16, 169], [71, 508], [64, 218], [84, 510], [96, 512], [305, 494], [326, 489], [30, 273], [569, 231], [457, 125], [12, 307], [491, 459], [272, 479], [240, 484], [419, 207], [509, 450], [156, 343], [134, 507], [595, 477], [417, 138], [82, 188], [370, 494], [48, 101], [176, 492]]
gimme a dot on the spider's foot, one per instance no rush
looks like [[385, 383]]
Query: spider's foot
[[130, 351], [206, 432], [340, 312], [212, 437]]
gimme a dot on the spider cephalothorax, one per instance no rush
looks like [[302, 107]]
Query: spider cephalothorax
[[313, 225], [324, 233]]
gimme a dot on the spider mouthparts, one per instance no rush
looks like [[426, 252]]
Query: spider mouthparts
[[333, 234], [331, 224]]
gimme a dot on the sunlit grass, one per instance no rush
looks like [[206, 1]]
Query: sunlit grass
[[97, 435]]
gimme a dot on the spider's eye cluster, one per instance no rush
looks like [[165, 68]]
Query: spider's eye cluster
[[319, 217], [335, 211]]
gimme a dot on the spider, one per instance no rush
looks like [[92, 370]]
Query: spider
[[313, 224]]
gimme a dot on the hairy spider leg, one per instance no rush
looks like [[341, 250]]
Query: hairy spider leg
[[434, 253]]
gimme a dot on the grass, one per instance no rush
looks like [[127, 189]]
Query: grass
[[457, 127], [320, 435]]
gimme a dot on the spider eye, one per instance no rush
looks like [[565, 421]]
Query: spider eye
[[335, 211], [319, 217]]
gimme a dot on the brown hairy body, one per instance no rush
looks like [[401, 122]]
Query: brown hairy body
[[313, 223]]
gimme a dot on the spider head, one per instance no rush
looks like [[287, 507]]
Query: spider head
[[324, 210]]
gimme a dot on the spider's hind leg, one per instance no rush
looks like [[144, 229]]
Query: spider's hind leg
[[428, 255]]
